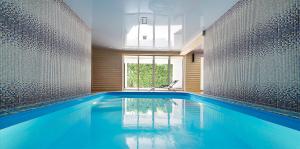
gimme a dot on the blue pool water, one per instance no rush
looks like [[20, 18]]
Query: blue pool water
[[145, 121]]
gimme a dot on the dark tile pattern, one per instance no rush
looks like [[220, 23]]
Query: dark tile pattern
[[252, 53], [45, 54]]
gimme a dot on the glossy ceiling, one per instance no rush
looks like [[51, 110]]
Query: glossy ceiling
[[107, 18]]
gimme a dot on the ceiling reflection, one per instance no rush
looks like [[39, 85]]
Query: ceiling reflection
[[154, 114], [148, 24], [145, 113], [146, 123]]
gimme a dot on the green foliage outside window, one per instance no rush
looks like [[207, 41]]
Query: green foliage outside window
[[145, 105], [161, 75], [145, 76]]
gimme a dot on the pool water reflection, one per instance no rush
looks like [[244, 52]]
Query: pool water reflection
[[142, 123], [177, 123], [147, 123]]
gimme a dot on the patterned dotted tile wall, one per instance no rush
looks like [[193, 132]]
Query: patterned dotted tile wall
[[45, 54], [252, 53]]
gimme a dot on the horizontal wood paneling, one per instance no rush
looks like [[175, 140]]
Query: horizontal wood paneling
[[106, 70], [192, 72]]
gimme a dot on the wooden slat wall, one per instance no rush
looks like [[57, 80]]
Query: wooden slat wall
[[107, 67], [192, 72], [106, 70]]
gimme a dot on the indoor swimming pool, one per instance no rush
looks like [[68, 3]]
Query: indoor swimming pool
[[146, 120]]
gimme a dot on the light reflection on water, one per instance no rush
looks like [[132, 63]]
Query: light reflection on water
[[147, 123], [150, 123]]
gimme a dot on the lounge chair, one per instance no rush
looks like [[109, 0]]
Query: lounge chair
[[169, 86]]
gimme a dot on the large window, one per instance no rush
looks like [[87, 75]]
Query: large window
[[176, 70], [131, 69], [161, 71], [147, 72]]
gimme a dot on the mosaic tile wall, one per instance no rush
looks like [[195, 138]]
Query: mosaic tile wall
[[252, 53], [45, 54]]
